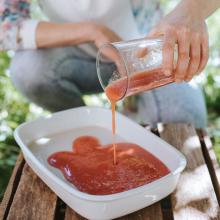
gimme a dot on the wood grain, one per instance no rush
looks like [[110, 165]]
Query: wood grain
[[167, 208], [33, 200], [72, 215], [211, 161], [11, 188], [194, 197], [152, 212]]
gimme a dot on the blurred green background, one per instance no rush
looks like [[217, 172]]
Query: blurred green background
[[15, 109]]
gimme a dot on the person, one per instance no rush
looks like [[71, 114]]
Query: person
[[54, 64]]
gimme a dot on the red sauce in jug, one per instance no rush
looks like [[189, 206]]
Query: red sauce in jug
[[137, 82]]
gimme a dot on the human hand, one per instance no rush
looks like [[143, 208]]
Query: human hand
[[188, 29], [101, 34]]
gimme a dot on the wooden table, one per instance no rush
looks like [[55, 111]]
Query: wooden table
[[197, 195]]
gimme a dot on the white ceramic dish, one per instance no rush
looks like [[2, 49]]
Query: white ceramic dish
[[41, 137]]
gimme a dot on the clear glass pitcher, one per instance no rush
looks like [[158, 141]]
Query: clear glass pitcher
[[135, 66]]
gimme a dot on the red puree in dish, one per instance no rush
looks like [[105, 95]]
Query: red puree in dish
[[91, 169]]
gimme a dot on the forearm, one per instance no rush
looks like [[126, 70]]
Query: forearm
[[50, 34], [200, 8]]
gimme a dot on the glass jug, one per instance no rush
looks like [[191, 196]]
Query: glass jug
[[136, 66]]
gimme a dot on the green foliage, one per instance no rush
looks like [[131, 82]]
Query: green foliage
[[216, 140], [211, 81], [14, 110]]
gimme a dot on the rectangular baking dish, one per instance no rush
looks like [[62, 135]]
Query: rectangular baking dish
[[44, 136]]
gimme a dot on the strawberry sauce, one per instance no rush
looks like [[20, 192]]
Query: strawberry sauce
[[89, 166]]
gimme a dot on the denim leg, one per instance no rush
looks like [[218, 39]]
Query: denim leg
[[174, 103], [55, 78]]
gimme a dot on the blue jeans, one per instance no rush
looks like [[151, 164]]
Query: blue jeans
[[57, 78]]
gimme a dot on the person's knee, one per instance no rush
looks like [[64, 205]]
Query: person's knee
[[28, 70], [33, 74], [24, 70], [184, 103], [174, 104], [194, 114]]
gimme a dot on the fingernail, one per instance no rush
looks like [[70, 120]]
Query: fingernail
[[178, 80], [167, 72], [188, 78]]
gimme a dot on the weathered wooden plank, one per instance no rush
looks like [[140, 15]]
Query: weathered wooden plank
[[204, 137], [211, 161], [194, 197], [33, 199], [60, 210], [165, 203], [11, 188], [167, 208], [152, 212], [71, 215]]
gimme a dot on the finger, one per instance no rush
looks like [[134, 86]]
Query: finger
[[183, 55], [195, 57], [109, 52], [204, 53], [156, 32], [140, 53], [168, 51]]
